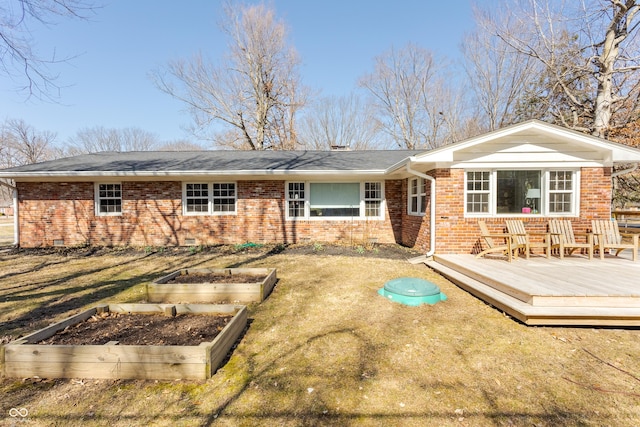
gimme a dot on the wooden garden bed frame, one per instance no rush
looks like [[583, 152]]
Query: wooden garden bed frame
[[23, 358], [161, 291]]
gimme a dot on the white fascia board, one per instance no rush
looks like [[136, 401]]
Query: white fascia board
[[617, 153], [528, 165], [400, 165], [445, 154], [186, 174], [612, 152]]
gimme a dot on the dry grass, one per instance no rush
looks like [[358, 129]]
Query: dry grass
[[325, 349], [6, 230]]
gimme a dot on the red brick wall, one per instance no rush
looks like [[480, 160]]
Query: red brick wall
[[457, 234], [152, 216], [52, 211], [415, 228]]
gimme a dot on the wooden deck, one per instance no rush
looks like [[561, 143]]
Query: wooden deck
[[540, 291]]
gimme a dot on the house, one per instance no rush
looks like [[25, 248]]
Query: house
[[6, 207], [428, 200]]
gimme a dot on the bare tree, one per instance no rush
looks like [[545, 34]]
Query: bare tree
[[410, 99], [21, 144], [180, 145], [339, 122], [590, 53], [18, 59], [254, 92], [447, 111], [98, 138], [499, 76]]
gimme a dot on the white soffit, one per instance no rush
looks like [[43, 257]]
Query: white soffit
[[532, 141]]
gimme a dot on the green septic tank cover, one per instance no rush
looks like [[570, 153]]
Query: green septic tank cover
[[412, 291]]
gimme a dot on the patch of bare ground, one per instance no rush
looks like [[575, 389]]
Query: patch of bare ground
[[216, 278], [385, 251], [141, 329], [325, 349]]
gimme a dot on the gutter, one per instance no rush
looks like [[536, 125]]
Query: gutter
[[432, 210], [188, 173], [16, 231]]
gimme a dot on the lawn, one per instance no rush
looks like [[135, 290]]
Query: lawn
[[324, 349], [6, 230]]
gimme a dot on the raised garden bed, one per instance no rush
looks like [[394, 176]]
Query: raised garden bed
[[93, 344], [213, 285]]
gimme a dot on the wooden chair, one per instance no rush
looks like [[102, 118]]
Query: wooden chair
[[606, 235], [507, 247], [515, 227], [564, 238]]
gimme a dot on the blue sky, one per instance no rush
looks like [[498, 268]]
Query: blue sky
[[107, 82]]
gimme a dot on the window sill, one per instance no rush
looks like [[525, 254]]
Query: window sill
[[196, 214], [334, 218]]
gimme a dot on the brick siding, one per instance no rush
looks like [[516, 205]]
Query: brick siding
[[152, 216], [457, 234]]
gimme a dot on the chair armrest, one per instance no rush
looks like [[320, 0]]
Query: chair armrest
[[635, 237], [497, 235], [588, 235], [506, 236], [629, 235]]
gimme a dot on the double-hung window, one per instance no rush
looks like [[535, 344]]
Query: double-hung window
[[521, 192], [224, 197], [296, 197], [334, 200], [196, 198], [417, 196], [478, 191], [561, 194], [201, 198], [372, 199], [108, 199]]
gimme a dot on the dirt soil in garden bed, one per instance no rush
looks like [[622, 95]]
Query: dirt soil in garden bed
[[141, 329], [217, 278]]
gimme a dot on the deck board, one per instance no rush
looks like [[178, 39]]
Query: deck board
[[573, 291]]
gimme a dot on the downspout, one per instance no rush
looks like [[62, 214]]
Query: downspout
[[432, 211], [16, 223], [16, 232]]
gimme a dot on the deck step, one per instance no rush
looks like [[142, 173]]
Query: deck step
[[537, 315]]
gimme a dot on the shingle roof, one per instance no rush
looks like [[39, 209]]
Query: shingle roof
[[150, 162]]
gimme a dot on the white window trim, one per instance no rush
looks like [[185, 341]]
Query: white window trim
[[491, 199], [97, 199], [544, 212], [305, 199], [307, 204], [235, 199], [210, 197], [422, 191], [184, 199], [364, 200], [575, 201]]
